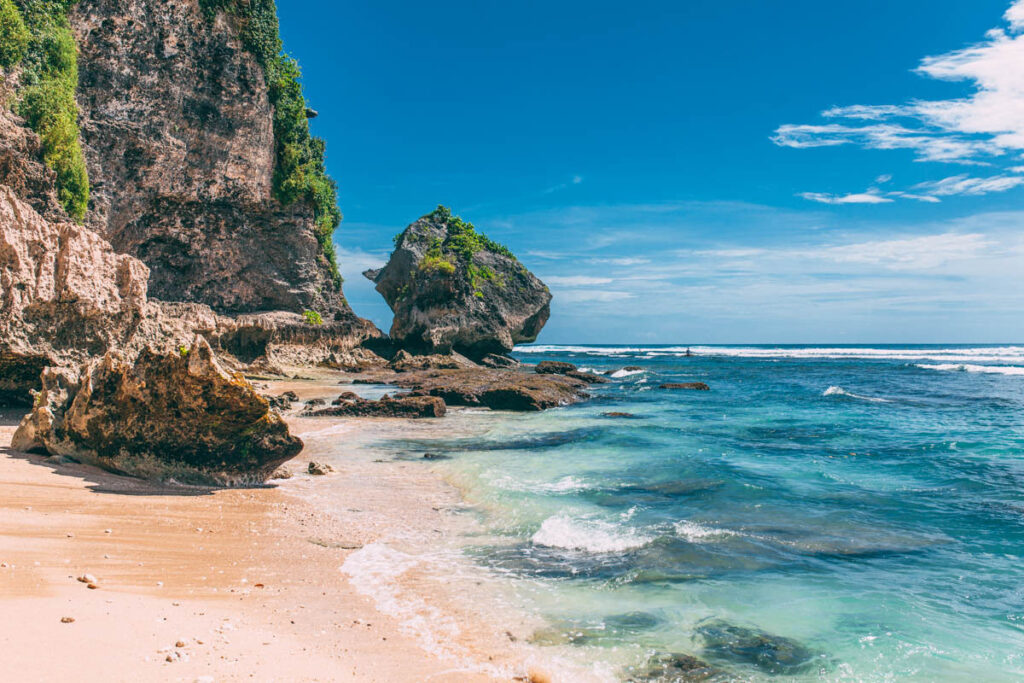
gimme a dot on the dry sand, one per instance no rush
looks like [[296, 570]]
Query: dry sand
[[223, 585]]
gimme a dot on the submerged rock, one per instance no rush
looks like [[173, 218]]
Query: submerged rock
[[694, 386], [452, 288], [319, 469], [770, 653], [675, 667], [167, 416]]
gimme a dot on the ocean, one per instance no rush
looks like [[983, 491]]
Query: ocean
[[822, 513]]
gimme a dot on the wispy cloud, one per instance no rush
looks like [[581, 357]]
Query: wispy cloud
[[982, 128], [576, 280], [869, 197], [575, 180], [966, 185]]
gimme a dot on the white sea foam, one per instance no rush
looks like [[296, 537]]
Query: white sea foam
[[618, 374], [839, 391], [969, 367], [1009, 355], [589, 535], [698, 533], [375, 571], [567, 484]]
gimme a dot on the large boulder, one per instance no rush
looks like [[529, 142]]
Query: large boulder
[[166, 416], [453, 289]]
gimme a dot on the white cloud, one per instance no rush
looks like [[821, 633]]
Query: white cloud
[[966, 185], [914, 253], [587, 295], [869, 197], [977, 128], [576, 280], [627, 261]]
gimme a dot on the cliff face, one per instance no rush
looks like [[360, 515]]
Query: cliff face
[[177, 128], [452, 289]]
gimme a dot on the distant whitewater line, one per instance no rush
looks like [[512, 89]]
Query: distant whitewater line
[[966, 367], [1010, 355]]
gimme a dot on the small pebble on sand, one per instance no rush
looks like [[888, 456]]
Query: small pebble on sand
[[87, 578], [67, 620]]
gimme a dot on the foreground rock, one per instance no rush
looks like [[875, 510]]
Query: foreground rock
[[554, 367], [402, 406], [451, 288], [167, 416], [496, 389]]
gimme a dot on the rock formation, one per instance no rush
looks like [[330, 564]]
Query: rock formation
[[167, 415], [452, 289], [178, 130]]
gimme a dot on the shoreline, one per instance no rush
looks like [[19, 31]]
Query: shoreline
[[311, 578]]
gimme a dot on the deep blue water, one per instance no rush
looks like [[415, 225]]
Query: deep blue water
[[836, 513]]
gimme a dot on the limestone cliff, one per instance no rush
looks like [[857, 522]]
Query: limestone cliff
[[178, 130]]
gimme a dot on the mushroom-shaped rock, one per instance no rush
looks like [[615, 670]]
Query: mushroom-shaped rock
[[453, 289], [166, 416]]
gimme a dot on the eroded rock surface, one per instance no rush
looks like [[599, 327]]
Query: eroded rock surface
[[495, 389], [399, 406], [165, 416], [453, 289], [178, 135]]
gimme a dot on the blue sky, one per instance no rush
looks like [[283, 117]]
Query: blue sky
[[700, 171]]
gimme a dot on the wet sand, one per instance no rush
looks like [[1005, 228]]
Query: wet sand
[[236, 584]]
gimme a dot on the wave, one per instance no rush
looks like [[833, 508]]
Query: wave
[[839, 391], [1012, 355], [968, 367], [619, 374], [698, 533], [587, 535]]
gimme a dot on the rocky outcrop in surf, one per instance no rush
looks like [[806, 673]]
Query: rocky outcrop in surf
[[177, 416], [453, 289]]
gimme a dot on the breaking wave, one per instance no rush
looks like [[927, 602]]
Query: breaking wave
[[839, 391], [587, 535]]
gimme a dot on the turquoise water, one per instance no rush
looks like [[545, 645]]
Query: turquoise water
[[836, 513]]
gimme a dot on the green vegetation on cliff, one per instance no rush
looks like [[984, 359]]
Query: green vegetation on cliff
[[36, 34], [461, 244], [299, 172], [14, 35]]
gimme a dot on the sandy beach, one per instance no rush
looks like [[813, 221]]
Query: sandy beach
[[234, 584]]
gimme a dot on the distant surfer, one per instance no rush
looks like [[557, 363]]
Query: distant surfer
[[688, 353]]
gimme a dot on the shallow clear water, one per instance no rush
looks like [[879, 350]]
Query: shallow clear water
[[837, 513]]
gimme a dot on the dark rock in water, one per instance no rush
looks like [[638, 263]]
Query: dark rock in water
[[554, 367], [344, 397], [769, 653], [313, 402], [494, 360], [165, 416], [695, 386], [405, 362], [588, 377], [628, 368], [451, 288], [496, 389], [435, 456], [616, 413], [674, 667], [404, 406], [319, 469], [290, 396]]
